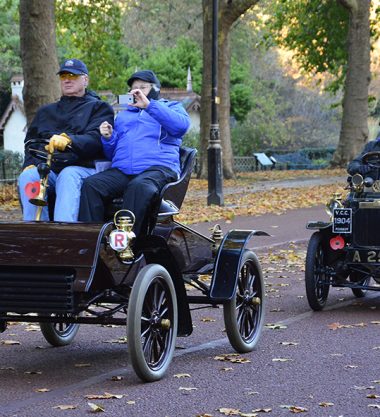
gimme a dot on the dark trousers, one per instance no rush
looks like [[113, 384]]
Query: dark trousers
[[139, 193]]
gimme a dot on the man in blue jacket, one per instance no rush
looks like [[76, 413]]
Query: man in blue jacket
[[70, 124], [144, 150]]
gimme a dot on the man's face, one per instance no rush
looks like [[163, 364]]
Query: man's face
[[73, 84]]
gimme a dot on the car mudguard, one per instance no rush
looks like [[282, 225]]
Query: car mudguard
[[227, 263], [318, 225]]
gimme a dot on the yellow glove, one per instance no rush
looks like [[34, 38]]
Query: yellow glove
[[28, 167], [58, 142]]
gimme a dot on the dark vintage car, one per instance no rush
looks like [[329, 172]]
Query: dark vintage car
[[345, 251], [63, 274]]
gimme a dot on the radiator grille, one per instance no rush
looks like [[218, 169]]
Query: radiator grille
[[36, 290], [366, 227]]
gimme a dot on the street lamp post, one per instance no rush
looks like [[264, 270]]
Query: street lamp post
[[214, 150]]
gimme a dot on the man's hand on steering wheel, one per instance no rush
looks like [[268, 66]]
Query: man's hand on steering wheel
[[58, 142], [371, 159]]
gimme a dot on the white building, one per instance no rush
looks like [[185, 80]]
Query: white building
[[13, 122]]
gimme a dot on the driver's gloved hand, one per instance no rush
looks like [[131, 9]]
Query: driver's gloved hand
[[363, 170], [58, 142]]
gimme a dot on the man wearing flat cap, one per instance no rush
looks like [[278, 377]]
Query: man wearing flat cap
[[72, 127], [144, 150]]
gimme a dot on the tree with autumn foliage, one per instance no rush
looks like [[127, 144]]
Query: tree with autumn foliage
[[332, 37]]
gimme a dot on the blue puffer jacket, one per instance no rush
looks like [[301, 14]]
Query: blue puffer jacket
[[143, 138]]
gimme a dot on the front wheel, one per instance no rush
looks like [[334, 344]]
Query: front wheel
[[59, 334], [244, 314], [316, 280], [359, 292], [152, 322]]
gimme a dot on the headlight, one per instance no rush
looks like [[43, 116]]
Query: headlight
[[335, 202], [357, 181]]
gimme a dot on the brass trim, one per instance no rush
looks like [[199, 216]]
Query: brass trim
[[369, 204]]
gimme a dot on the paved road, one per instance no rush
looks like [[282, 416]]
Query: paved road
[[282, 228], [303, 364]]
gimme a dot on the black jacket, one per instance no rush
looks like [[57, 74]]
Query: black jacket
[[78, 117], [357, 167]]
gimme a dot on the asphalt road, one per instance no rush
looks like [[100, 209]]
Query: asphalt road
[[300, 361]]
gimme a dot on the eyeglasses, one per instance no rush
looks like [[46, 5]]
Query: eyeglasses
[[69, 76], [141, 87]]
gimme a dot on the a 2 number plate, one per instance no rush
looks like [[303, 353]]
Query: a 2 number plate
[[342, 220]]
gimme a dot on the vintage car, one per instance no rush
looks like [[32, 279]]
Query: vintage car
[[63, 274], [345, 251]]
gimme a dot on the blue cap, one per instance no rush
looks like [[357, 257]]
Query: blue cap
[[74, 66]]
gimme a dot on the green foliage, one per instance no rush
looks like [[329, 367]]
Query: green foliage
[[241, 92], [315, 30], [10, 164], [263, 127], [171, 64], [191, 139], [10, 60], [91, 31]]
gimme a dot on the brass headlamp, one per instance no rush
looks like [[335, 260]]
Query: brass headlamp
[[335, 202], [121, 238]]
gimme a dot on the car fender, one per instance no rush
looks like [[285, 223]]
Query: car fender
[[227, 262]]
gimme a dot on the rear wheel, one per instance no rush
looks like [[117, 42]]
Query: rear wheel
[[152, 322], [316, 280], [59, 334], [244, 314]]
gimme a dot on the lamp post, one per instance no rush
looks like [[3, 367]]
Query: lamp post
[[214, 150]]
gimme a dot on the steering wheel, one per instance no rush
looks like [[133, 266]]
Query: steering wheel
[[36, 147], [372, 159]]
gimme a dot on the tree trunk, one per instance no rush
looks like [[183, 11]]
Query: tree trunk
[[354, 129], [38, 54], [229, 12], [224, 66]]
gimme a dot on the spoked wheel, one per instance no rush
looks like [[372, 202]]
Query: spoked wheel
[[152, 321], [59, 334], [359, 292], [315, 277], [244, 314]]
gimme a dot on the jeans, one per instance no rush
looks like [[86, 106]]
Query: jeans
[[67, 186]]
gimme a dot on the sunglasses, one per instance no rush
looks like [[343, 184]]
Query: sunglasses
[[69, 76]]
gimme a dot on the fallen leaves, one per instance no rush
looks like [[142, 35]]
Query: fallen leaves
[[10, 342], [242, 202], [42, 390], [335, 326], [105, 396], [65, 407], [289, 343], [232, 357], [188, 389], [274, 326], [95, 408]]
